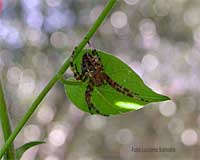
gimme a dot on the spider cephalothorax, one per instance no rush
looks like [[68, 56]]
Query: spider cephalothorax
[[92, 67], [92, 70]]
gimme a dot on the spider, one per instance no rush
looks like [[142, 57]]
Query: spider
[[92, 70]]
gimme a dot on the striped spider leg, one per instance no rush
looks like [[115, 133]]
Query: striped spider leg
[[74, 69], [88, 96], [122, 89]]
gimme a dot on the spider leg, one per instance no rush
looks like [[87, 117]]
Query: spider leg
[[88, 96], [74, 69], [89, 44], [94, 52], [73, 53], [122, 89]]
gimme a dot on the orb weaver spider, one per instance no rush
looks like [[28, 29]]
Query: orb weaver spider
[[92, 70]]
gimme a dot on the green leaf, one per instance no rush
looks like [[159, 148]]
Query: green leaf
[[20, 151], [106, 99]]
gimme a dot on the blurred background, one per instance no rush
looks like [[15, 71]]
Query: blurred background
[[159, 39]]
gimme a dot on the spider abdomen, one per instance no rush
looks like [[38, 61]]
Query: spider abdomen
[[98, 78]]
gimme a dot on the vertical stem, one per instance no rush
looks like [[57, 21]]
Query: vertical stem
[[5, 123], [55, 78]]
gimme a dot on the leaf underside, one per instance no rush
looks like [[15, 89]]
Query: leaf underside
[[106, 99]]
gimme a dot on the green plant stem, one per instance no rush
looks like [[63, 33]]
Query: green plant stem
[[5, 123], [55, 78]]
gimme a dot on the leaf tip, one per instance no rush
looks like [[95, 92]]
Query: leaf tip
[[166, 98]]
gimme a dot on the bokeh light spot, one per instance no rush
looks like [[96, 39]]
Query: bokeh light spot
[[124, 136], [147, 28], [131, 2], [119, 19], [161, 8], [51, 157], [26, 84], [45, 114], [189, 137], [57, 136], [14, 74], [35, 19], [32, 132], [167, 108], [59, 39], [176, 126], [149, 62]]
